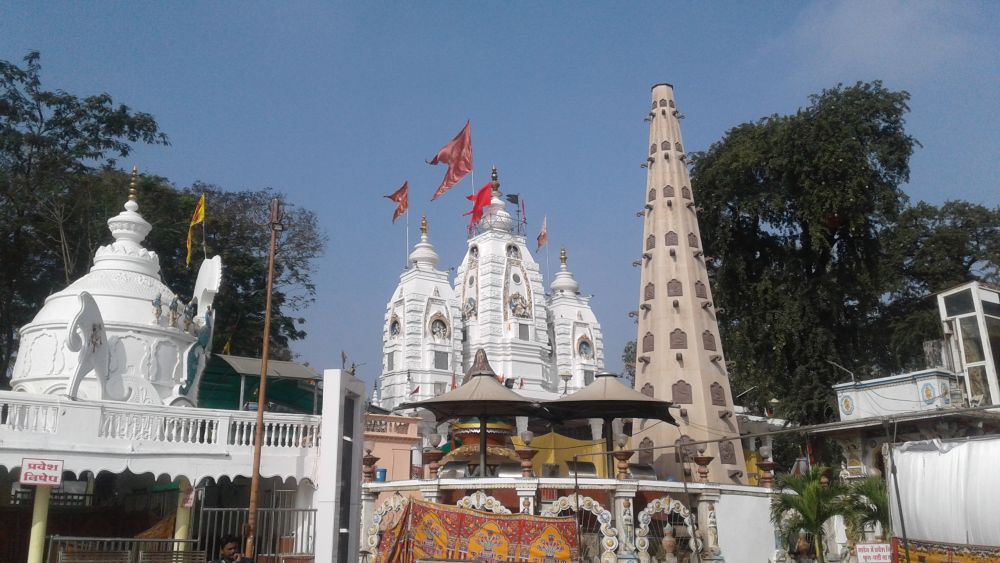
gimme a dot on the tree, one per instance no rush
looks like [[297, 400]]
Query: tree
[[931, 249], [867, 505], [793, 212], [628, 358], [805, 503], [48, 141]]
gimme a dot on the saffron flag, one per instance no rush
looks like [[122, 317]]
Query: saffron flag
[[415, 390], [453, 386], [197, 217], [402, 199], [458, 156], [543, 235], [479, 202]]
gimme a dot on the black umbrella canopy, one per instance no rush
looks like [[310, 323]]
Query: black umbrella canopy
[[608, 398], [479, 395]]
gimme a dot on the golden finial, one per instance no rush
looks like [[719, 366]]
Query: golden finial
[[423, 225], [494, 177], [562, 255], [133, 191]]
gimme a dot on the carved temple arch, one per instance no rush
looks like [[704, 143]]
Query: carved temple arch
[[662, 505], [609, 535], [395, 504], [481, 501]]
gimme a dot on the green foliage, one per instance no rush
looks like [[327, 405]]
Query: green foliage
[[817, 256], [806, 503], [628, 358], [867, 505], [48, 140], [58, 187]]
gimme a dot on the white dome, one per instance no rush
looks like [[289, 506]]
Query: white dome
[[423, 256], [563, 280], [151, 353]]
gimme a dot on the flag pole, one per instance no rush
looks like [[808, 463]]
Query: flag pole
[[406, 250], [204, 232]]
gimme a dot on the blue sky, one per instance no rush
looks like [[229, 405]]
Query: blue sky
[[337, 104]]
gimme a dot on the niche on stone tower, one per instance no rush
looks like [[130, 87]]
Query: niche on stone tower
[[670, 239], [681, 393], [708, 341], [674, 288], [646, 454], [718, 394], [683, 450], [470, 286], [727, 452], [700, 290], [516, 292], [678, 339], [668, 190], [650, 242], [647, 342]]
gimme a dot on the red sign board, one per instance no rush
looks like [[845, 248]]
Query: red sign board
[[41, 472]]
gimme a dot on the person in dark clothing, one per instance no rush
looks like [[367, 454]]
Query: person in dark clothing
[[229, 550]]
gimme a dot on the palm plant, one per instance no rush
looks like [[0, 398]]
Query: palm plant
[[806, 502], [868, 505]]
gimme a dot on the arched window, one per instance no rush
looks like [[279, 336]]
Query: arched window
[[649, 292], [727, 453], [708, 340], [672, 104], [647, 390], [683, 451], [665, 145], [718, 394], [647, 342], [678, 148], [668, 191], [652, 148], [686, 192], [652, 195], [650, 242], [663, 103], [700, 290], [681, 393], [670, 239], [674, 288], [646, 454], [678, 339], [692, 240]]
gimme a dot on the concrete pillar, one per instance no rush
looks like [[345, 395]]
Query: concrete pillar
[[39, 518], [182, 517], [526, 492], [368, 499], [430, 492], [708, 527], [624, 511]]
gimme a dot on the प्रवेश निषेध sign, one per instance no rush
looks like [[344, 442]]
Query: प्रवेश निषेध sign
[[874, 553], [41, 472]]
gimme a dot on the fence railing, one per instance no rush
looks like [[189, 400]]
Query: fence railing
[[68, 549], [280, 531], [84, 421]]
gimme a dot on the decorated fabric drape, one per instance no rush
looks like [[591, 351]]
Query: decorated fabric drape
[[431, 531]]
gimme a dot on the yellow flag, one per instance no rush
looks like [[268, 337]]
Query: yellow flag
[[197, 217]]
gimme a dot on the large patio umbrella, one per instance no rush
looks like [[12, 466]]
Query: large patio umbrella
[[481, 396], [607, 398]]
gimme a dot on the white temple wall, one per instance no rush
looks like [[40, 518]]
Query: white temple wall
[[745, 529]]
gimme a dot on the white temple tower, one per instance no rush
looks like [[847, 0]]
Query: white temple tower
[[679, 354], [422, 347], [574, 331]]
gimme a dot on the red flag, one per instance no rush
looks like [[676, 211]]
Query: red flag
[[543, 235], [458, 156], [415, 389], [402, 199], [521, 386], [479, 202], [453, 386]]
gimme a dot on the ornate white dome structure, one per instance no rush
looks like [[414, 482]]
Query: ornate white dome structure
[[119, 333], [498, 303]]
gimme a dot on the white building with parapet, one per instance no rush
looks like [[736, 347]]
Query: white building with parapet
[[106, 384]]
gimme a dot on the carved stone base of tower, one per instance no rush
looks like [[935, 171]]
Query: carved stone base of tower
[[679, 355]]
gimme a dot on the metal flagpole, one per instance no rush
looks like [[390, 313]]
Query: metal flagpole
[[275, 224], [406, 250]]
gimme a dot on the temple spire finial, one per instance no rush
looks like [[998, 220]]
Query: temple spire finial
[[423, 226], [133, 186], [495, 178], [562, 256]]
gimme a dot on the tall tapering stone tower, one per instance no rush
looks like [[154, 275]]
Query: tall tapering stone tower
[[678, 351]]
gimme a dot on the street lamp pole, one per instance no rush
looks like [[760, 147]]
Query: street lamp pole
[[275, 225]]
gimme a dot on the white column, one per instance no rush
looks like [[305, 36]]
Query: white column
[[708, 525], [527, 490], [624, 511]]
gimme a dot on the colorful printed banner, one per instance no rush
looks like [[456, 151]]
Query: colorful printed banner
[[928, 552], [431, 532]]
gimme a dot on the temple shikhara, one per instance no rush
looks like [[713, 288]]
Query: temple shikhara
[[494, 431]]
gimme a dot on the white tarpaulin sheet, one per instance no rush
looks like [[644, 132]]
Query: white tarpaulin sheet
[[950, 491]]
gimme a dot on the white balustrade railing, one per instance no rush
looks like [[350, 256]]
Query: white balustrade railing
[[27, 415], [130, 422]]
